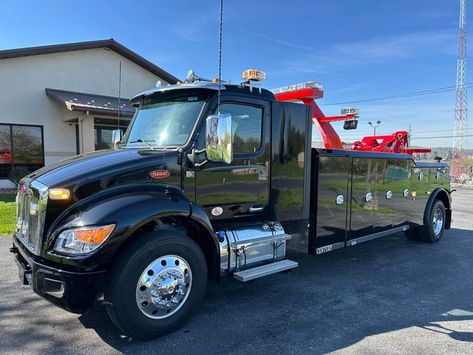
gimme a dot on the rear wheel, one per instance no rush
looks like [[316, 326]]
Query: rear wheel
[[156, 285], [434, 230]]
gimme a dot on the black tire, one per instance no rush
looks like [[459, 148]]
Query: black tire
[[121, 288], [431, 232]]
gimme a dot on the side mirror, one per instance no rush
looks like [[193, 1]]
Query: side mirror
[[218, 138], [116, 137]]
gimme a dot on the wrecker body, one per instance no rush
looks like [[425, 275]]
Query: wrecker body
[[197, 190]]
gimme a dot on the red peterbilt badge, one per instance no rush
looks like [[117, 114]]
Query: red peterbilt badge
[[160, 174]]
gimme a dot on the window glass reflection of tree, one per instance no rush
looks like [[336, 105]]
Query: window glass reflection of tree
[[27, 145], [5, 145], [246, 126]]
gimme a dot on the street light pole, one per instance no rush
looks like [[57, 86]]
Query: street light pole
[[374, 126]]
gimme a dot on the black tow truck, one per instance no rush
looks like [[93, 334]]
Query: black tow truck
[[195, 191]]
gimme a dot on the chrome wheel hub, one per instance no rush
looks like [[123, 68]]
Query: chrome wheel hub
[[437, 221], [164, 286]]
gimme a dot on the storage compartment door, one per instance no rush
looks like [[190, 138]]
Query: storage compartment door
[[362, 199], [384, 208], [399, 174], [332, 202], [420, 193]]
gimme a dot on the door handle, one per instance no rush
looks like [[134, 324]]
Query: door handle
[[254, 209]]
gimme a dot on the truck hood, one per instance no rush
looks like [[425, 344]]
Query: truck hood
[[108, 167]]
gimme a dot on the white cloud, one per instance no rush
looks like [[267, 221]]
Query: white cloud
[[398, 46], [385, 48], [277, 40]]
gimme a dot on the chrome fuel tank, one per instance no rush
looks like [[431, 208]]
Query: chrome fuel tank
[[251, 245]]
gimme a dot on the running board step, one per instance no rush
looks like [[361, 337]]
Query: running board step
[[264, 270]]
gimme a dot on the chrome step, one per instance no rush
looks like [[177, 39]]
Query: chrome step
[[264, 270]]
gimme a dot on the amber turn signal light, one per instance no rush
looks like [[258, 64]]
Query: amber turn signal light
[[59, 194], [93, 235]]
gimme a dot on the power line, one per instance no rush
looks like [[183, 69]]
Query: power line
[[438, 130], [450, 136], [400, 96]]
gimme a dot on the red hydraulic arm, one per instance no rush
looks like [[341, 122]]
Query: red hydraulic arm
[[392, 143]]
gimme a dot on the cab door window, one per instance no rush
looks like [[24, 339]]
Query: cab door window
[[246, 126]]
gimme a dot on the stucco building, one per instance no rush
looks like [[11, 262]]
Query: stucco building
[[60, 100]]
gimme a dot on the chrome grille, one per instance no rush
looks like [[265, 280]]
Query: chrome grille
[[32, 199]]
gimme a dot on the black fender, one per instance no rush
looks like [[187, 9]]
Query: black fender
[[444, 196], [129, 207], [200, 216]]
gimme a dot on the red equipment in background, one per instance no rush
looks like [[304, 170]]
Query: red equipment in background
[[310, 91], [391, 143]]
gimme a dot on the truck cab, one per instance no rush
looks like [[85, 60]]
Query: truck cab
[[210, 179]]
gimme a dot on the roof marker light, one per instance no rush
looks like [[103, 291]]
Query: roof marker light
[[350, 111], [253, 74], [296, 87]]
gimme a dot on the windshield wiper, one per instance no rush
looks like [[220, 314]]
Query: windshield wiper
[[139, 140]]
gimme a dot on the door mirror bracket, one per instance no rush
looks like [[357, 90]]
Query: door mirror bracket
[[192, 157]]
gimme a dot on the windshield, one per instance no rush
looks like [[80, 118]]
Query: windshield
[[164, 122]]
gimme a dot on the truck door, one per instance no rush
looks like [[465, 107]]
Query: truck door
[[240, 189]]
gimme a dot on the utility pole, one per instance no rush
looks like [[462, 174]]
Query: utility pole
[[374, 126], [460, 127]]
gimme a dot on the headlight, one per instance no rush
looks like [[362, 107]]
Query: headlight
[[82, 240]]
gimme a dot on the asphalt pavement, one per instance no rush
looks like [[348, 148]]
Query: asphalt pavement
[[390, 295]]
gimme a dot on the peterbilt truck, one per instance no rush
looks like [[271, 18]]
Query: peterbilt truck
[[213, 179]]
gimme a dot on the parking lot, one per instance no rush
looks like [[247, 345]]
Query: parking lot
[[391, 295]]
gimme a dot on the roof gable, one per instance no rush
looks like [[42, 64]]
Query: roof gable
[[107, 43]]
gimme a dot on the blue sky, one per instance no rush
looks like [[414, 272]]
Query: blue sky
[[357, 49]]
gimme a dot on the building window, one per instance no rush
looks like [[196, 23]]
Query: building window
[[103, 131], [21, 150]]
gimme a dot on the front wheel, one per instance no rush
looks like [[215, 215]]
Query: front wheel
[[434, 230], [156, 285]]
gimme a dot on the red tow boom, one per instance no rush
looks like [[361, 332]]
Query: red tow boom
[[392, 143]]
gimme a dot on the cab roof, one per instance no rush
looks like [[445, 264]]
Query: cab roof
[[242, 89]]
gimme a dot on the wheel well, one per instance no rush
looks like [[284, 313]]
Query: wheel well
[[442, 196], [191, 229]]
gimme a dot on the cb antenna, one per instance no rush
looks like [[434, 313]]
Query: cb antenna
[[220, 56]]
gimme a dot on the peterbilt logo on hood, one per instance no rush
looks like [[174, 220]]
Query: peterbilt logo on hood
[[160, 174]]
